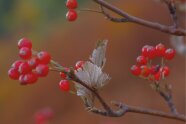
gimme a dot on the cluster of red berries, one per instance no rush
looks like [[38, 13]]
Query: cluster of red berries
[[31, 67], [144, 67], [64, 84], [71, 14]]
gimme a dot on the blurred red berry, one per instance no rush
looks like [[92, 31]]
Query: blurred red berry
[[24, 68], [13, 73], [165, 71], [169, 54], [64, 85], [144, 50], [71, 15], [135, 70], [24, 43], [151, 52], [30, 78], [16, 64], [33, 62], [42, 70], [44, 57], [79, 64], [154, 69], [22, 80], [63, 75], [25, 53], [71, 4], [160, 50], [157, 76], [145, 71], [141, 60]]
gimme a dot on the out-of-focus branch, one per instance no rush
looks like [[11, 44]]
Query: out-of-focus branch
[[154, 25]]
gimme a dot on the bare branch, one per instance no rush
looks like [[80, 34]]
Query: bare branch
[[154, 25]]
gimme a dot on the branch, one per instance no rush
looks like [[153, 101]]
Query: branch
[[123, 108], [154, 25]]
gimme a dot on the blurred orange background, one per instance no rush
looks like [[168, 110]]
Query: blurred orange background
[[44, 23]]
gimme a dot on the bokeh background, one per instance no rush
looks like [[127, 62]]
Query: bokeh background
[[43, 21]]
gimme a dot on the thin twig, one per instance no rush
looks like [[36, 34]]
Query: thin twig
[[154, 25]]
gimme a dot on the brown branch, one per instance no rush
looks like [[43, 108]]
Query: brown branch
[[160, 27], [123, 108], [172, 9]]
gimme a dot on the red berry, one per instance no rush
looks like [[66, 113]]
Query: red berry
[[42, 70], [169, 54], [151, 52], [165, 71], [64, 85], [154, 69], [71, 4], [71, 15], [24, 43], [144, 50], [25, 53], [30, 78], [145, 71], [33, 62], [44, 57], [24, 68], [135, 70], [22, 80], [141, 60], [160, 50], [16, 64], [157, 76], [79, 64], [63, 75], [13, 73]]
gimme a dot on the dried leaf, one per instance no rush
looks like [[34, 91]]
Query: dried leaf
[[98, 55]]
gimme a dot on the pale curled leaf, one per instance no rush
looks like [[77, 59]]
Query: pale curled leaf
[[92, 76], [98, 55]]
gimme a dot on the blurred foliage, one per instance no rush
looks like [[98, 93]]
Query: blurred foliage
[[29, 14]]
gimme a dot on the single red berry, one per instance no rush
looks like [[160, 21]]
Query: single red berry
[[16, 64], [24, 68], [154, 69], [71, 15], [44, 57], [22, 80], [160, 50], [42, 70], [135, 70], [64, 85], [141, 60], [33, 62], [157, 76], [13, 73], [151, 52], [30, 78], [63, 75], [79, 64], [145, 71], [25, 53], [169, 54], [144, 50], [71, 4], [165, 71], [24, 43]]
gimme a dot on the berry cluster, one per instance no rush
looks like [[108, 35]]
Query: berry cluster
[[71, 14], [32, 66], [64, 84], [144, 67]]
